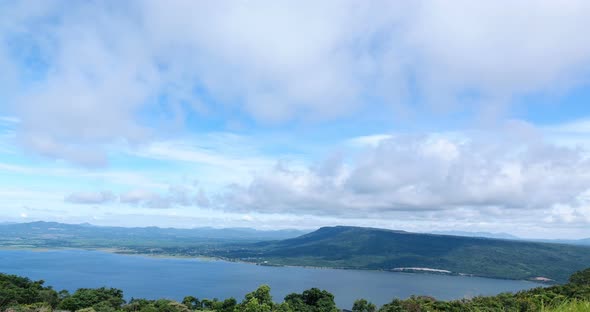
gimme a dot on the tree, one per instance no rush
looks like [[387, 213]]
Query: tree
[[228, 305], [314, 300], [21, 290], [394, 306], [259, 300], [207, 304], [284, 307], [262, 294], [253, 305], [362, 305], [581, 278], [191, 302], [86, 298]]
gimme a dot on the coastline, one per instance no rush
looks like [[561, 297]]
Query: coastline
[[408, 270]]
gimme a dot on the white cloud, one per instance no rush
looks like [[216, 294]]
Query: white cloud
[[177, 196], [369, 140], [9, 120], [100, 69], [90, 198], [428, 177], [144, 197]]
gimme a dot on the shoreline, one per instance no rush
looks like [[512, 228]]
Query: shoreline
[[404, 270]]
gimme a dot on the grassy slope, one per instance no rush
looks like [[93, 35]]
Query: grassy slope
[[573, 306]]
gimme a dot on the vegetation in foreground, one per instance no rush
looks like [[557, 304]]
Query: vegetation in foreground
[[19, 294], [572, 306]]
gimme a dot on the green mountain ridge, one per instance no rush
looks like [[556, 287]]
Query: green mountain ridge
[[379, 249]]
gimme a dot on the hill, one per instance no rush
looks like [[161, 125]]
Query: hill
[[53, 234], [583, 241], [478, 234], [369, 248]]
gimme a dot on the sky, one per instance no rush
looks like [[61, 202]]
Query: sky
[[410, 115]]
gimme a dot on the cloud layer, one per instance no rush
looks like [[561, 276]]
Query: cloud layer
[[90, 198], [447, 176], [177, 196], [95, 74]]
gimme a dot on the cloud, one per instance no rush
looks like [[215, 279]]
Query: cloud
[[9, 120], [177, 196], [90, 198], [144, 197], [430, 176], [92, 73]]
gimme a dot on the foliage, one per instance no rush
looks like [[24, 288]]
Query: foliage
[[362, 305], [20, 290], [101, 299], [572, 306], [581, 278], [312, 300]]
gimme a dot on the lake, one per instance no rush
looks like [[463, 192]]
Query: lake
[[174, 278]]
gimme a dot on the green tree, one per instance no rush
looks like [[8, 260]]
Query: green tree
[[208, 304], [228, 305], [16, 290], [262, 294], [86, 298], [191, 302], [581, 278], [253, 305], [362, 305], [313, 300], [283, 307]]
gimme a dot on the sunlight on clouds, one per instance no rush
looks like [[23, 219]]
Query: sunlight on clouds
[[377, 113], [260, 61]]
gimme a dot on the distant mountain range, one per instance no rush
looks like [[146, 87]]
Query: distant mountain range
[[47, 234], [584, 241], [477, 234]]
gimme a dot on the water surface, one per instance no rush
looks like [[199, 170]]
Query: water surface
[[174, 278]]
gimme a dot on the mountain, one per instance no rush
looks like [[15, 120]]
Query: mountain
[[580, 242], [370, 248], [478, 234], [583, 242], [53, 234]]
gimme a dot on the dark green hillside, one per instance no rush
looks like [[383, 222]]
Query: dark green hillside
[[369, 248]]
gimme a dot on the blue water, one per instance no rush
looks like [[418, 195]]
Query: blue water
[[174, 278]]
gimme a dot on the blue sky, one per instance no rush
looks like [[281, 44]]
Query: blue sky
[[422, 115]]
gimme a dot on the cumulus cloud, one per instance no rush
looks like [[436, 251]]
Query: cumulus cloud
[[433, 175], [147, 199], [93, 71], [177, 196], [90, 198]]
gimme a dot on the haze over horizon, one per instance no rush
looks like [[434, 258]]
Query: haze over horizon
[[419, 116]]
